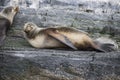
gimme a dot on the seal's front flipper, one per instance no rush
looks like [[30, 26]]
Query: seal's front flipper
[[63, 39]]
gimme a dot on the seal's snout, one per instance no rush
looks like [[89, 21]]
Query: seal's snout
[[16, 8]]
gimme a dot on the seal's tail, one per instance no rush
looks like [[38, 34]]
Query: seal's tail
[[106, 44]]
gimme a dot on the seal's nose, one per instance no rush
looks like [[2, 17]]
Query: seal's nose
[[16, 9]]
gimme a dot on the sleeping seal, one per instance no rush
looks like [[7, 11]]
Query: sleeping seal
[[61, 37], [6, 19]]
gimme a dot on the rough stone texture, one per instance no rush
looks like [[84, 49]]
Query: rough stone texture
[[19, 61], [58, 65]]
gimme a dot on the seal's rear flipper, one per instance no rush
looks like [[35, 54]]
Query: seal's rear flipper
[[63, 39], [106, 44], [98, 48], [105, 47]]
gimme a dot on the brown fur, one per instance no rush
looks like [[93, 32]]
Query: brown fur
[[40, 38]]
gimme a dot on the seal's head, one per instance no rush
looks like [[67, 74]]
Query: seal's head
[[10, 12], [29, 26], [30, 30]]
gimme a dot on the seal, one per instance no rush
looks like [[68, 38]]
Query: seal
[[6, 19], [61, 37]]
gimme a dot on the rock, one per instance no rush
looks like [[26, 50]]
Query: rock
[[58, 65], [20, 61]]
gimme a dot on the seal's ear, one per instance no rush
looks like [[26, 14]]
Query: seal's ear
[[16, 9]]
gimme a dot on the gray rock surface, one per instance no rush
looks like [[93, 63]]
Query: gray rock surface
[[20, 61], [59, 65]]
